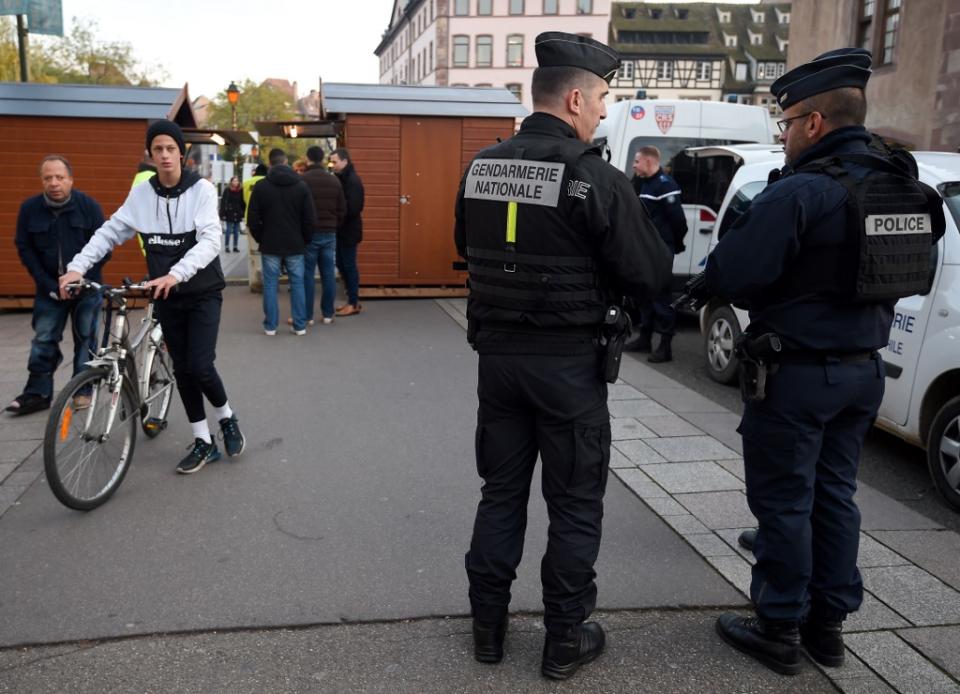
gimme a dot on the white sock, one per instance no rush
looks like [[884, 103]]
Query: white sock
[[223, 412], [201, 430]]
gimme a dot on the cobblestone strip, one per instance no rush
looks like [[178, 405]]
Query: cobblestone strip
[[694, 482]]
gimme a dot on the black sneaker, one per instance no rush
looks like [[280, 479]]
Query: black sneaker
[[200, 454], [233, 440]]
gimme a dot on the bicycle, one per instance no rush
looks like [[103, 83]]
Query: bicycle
[[92, 429]]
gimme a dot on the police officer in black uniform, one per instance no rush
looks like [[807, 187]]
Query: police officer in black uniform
[[819, 259], [660, 195], [552, 234]]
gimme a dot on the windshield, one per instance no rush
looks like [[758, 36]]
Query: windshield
[[739, 204], [951, 196]]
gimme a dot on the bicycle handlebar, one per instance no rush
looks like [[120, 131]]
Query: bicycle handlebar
[[116, 291]]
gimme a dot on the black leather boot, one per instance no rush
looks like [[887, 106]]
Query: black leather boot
[[663, 352], [821, 634], [488, 640], [643, 343], [747, 539], [562, 657], [776, 644]]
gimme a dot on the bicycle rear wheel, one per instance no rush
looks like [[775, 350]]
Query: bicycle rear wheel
[[159, 391], [84, 461]]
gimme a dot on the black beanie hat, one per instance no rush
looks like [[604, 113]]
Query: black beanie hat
[[166, 127]]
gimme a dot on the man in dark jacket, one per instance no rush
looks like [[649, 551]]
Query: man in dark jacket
[[350, 232], [660, 195], [330, 206], [51, 228], [281, 220]]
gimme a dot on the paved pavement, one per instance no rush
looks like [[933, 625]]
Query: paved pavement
[[329, 556]]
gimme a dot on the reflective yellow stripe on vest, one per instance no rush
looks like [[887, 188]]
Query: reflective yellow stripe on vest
[[511, 222]]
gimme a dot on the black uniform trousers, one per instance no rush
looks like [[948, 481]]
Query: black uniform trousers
[[801, 450], [554, 406], [191, 324]]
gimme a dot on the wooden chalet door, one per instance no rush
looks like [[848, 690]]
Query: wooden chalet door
[[430, 171]]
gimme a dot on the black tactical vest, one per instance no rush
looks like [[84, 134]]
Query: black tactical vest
[[893, 220], [163, 251], [528, 262]]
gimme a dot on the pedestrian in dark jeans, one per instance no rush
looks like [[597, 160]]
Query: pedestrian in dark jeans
[[350, 232], [232, 209], [51, 228], [330, 205], [281, 220]]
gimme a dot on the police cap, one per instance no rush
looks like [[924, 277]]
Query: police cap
[[560, 49], [843, 67]]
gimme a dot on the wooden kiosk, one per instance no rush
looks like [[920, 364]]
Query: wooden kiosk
[[410, 146], [101, 131]]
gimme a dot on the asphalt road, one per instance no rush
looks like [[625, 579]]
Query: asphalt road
[[888, 464], [354, 501]]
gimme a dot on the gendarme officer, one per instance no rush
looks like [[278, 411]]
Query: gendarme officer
[[552, 234], [819, 259]]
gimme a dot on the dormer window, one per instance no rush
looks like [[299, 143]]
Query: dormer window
[[782, 44], [655, 13], [723, 16], [730, 40], [782, 17], [682, 13], [629, 12], [757, 17], [755, 39]]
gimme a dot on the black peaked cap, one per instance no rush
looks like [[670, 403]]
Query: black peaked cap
[[560, 49], [843, 67]]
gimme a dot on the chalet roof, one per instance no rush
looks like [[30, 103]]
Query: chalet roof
[[96, 101], [407, 100]]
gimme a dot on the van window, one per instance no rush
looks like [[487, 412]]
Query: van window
[[739, 204], [703, 180]]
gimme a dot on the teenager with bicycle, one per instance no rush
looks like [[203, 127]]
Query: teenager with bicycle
[[177, 219]]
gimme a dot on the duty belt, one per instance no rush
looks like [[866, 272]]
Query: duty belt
[[820, 358]]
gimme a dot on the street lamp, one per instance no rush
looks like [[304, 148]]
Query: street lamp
[[233, 96]]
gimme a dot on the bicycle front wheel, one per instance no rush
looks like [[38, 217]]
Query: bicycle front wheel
[[89, 441]]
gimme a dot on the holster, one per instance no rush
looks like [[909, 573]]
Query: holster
[[616, 328], [757, 357]]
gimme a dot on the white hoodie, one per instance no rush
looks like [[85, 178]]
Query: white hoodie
[[147, 212]]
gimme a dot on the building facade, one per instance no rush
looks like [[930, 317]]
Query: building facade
[[914, 92], [703, 51], [479, 43]]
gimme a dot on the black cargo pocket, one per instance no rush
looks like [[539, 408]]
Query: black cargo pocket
[[478, 448], [591, 461], [773, 439]]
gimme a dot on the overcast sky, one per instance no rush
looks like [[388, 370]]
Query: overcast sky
[[188, 38]]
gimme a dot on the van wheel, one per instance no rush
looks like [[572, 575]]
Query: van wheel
[[722, 332], [943, 452]]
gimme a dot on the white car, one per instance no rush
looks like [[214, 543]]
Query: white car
[[921, 403]]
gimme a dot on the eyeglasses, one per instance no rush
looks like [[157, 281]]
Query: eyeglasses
[[784, 124]]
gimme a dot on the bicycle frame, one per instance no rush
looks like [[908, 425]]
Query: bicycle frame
[[118, 353]]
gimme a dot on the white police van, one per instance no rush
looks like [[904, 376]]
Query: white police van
[[921, 403], [672, 127]]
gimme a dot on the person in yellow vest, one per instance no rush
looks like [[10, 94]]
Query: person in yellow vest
[[253, 255], [259, 174], [145, 171]]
